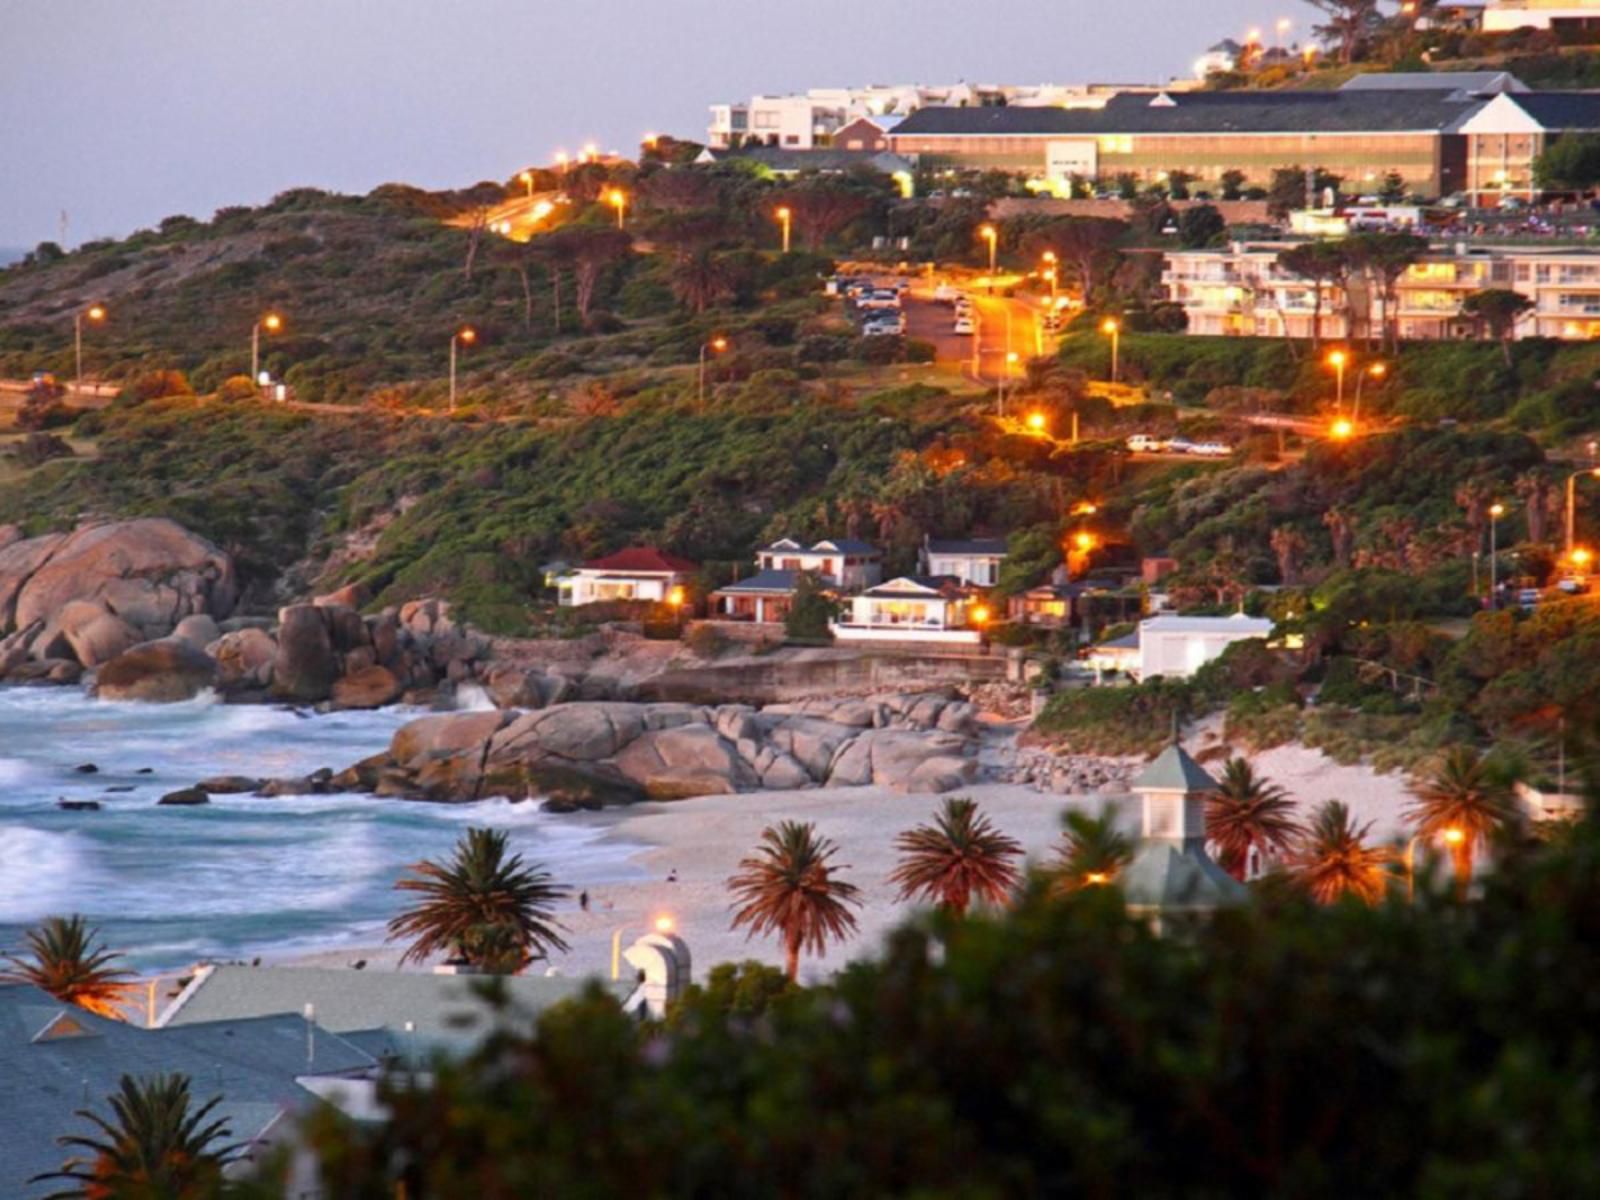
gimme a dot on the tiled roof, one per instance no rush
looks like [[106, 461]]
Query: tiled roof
[[644, 559]]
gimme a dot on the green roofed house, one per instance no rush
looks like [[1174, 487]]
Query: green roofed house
[[1172, 880], [56, 1059]]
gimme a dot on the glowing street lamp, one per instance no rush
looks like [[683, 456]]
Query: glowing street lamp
[[1284, 25], [1496, 511], [991, 235], [1451, 837], [1337, 360], [785, 217], [527, 178], [1572, 502], [1580, 558], [464, 336], [618, 199], [1342, 429], [96, 313], [272, 323], [1084, 541], [979, 615], [1037, 422], [562, 160], [591, 152], [1376, 371], [1112, 329], [716, 346], [1097, 878]]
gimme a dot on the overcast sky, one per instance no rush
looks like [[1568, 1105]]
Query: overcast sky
[[120, 112]]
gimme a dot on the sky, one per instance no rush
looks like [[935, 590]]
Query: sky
[[121, 112]]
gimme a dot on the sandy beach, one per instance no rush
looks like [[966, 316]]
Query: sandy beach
[[701, 841]]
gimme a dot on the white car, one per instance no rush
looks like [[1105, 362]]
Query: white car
[[879, 300], [1179, 446], [965, 325], [1212, 449], [946, 294], [1143, 443]]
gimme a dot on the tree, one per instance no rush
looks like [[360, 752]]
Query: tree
[[1332, 860], [592, 250], [1287, 190], [482, 906], [1386, 257], [1288, 544], [1233, 182], [811, 610], [66, 963], [1247, 813], [789, 888], [1200, 225], [821, 209], [1086, 245], [1535, 488], [1349, 26], [152, 1147], [1392, 190], [960, 858], [1498, 310], [700, 278], [1319, 263], [1570, 163], [1463, 800], [1093, 852]]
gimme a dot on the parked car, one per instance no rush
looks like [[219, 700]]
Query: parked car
[[1574, 587], [1212, 449], [1144, 443], [879, 299], [1528, 598], [964, 325], [947, 293], [1179, 446]]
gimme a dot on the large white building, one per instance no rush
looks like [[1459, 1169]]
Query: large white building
[[1503, 16], [1176, 647]]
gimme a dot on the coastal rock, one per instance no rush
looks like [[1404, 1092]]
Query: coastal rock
[[686, 760], [892, 758], [185, 797], [304, 667], [416, 741], [94, 635], [78, 805], [9, 535], [150, 572], [163, 671], [371, 687], [244, 658], [346, 628], [228, 785], [578, 732], [198, 630], [64, 670], [352, 595], [810, 741]]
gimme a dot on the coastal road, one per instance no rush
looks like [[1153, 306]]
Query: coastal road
[[1005, 325]]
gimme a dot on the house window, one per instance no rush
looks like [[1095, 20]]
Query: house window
[[791, 139]]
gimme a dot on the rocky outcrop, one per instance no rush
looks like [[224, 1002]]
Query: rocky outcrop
[[591, 753], [244, 659], [163, 671]]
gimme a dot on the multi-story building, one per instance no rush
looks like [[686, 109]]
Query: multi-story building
[[1503, 16], [1474, 133], [1241, 291]]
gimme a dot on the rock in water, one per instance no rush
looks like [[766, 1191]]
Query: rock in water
[[185, 797], [228, 785], [305, 666], [372, 687], [162, 672], [78, 805], [86, 769]]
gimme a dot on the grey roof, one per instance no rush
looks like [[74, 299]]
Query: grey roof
[[1173, 771], [252, 1064], [991, 547], [1128, 641], [1562, 110], [1175, 877], [823, 158], [1402, 110], [1479, 82], [943, 585], [445, 1011], [763, 581]]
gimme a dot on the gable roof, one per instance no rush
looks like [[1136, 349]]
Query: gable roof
[[643, 560], [982, 547], [825, 546], [768, 582], [1479, 82], [946, 587], [444, 1012], [1561, 110]]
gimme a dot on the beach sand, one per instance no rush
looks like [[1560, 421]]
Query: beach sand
[[701, 841]]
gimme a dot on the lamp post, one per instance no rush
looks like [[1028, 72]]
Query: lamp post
[[1113, 329], [1337, 360], [1452, 836], [272, 323], [527, 178], [465, 336], [618, 199], [1496, 511], [991, 235], [1572, 502], [786, 219], [96, 313], [717, 345], [662, 924], [1377, 371]]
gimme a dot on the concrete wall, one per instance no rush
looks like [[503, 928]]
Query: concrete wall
[[1234, 212], [819, 673]]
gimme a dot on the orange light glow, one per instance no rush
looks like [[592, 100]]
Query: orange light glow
[[1497, 510], [1097, 878], [980, 614], [1037, 422], [272, 322], [1581, 557], [96, 312], [784, 214], [1109, 325], [1084, 542], [1342, 430], [675, 597], [665, 924], [467, 334], [719, 344], [1378, 370], [1454, 836], [1337, 358]]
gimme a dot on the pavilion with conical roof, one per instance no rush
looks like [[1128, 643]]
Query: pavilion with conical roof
[[1172, 880]]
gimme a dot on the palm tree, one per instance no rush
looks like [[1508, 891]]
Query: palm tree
[[152, 1146], [68, 965], [788, 888], [1093, 852], [1464, 801], [483, 907], [1332, 859], [959, 858], [1247, 812]]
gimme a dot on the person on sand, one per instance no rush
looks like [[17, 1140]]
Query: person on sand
[[672, 875], [583, 901]]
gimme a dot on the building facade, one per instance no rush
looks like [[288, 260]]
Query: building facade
[[1503, 16], [1241, 291], [637, 573]]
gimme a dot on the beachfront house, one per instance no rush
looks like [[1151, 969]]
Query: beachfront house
[[637, 573], [972, 560], [913, 608], [1175, 647], [839, 564], [1115, 654]]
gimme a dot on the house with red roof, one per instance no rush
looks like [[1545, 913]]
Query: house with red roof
[[637, 573]]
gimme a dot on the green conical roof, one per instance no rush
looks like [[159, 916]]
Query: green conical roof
[[1174, 771], [1167, 876]]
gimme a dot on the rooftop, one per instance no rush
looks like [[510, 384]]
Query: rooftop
[[763, 581], [1479, 82], [1238, 623], [645, 560], [983, 547], [1173, 770]]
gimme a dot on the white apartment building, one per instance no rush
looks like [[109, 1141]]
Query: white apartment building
[[1503, 16], [1241, 291], [809, 119]]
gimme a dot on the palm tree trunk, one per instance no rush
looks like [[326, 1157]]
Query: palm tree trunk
[[791, 958], [1461, 856]]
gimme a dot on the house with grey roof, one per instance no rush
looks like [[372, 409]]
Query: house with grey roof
[[56, 1059], [975, 561], [936, 610], [841, 565]]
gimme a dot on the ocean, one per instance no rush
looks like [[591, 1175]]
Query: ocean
[[242, 876]]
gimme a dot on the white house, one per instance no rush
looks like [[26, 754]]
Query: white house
[[1176, 647], [912, 609], [638, 573], [843, 563], [975, 560]]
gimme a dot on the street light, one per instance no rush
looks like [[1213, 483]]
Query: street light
[[1342, 429], [1496, 511], [1377, 371], [1572, 501], [662, 924], [1580, 558], [465, 336], [95, 313], [1452, 837], [991, 235], [716, 345], [785, 218], [1111, 328], [1037, 421], [527, 178], [272, 323], [1337, 360], [618, 199]]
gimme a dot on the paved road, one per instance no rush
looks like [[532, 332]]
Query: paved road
[[1004, 326]]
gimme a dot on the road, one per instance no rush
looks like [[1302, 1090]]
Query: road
[[1005, 326]]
